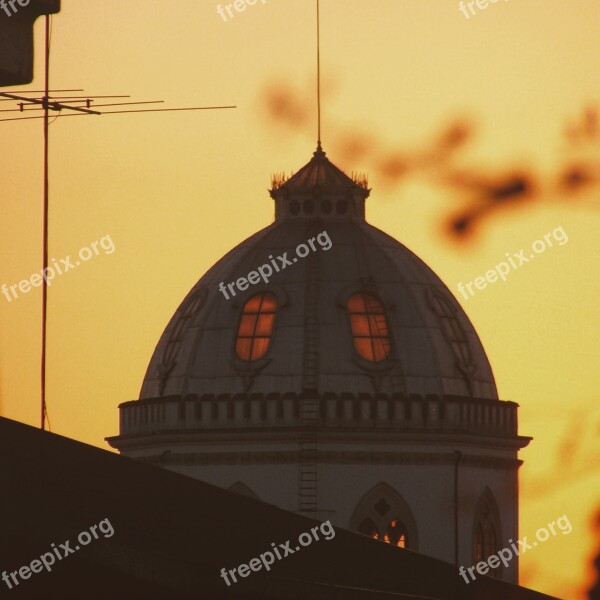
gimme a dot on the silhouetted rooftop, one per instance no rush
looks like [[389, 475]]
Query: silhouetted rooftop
[[172, 536]]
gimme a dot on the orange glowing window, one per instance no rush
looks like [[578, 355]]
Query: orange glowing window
[[478, 543], [369, 327], [256, 326], [367, 527], [394, 533]]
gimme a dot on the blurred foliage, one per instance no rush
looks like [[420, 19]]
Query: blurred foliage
[[480, 193]]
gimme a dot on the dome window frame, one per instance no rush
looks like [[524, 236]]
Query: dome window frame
[[368, 320], [256, 324]]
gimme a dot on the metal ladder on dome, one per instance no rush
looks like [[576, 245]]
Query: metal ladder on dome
[[309, 416]]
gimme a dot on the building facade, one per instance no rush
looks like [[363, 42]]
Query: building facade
[[346, 384]]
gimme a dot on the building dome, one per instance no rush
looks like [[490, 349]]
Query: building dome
[[322, 367], [338, 307]]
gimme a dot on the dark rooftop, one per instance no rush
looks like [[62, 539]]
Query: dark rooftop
[[172, 536]]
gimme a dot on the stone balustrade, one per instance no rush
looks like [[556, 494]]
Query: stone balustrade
[[340, 412]]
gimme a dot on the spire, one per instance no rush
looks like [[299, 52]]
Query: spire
[[318, 76], [319, 189]]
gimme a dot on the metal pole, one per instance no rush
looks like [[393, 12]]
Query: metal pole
[[319, 73], [45, 225]]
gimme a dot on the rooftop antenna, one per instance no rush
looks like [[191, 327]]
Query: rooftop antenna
[[319, 74], [80, 106]]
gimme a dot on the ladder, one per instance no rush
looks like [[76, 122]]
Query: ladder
[[309, 416]]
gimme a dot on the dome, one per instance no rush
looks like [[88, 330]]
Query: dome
[[345, 309]]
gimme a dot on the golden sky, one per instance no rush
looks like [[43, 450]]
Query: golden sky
[[175, 191]]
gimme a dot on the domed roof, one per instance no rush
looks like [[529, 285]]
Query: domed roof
[[426, 343]]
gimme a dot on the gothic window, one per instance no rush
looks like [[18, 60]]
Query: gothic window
[[369, 327], [395, 533], [486, 529], [384, 515], [256, 326], [478, 543], [368, 528]]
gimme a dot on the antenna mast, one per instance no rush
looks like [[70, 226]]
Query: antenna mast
[[45, 217], [74, 106]]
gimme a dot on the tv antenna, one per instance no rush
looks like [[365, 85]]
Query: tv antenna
[[75, 106]]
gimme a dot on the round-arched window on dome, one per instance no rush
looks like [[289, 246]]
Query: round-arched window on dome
[[369, 327], [256, 326]]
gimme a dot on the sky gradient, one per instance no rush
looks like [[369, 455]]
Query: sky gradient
[[176, 191]]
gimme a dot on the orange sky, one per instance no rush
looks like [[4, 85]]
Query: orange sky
[[175, 191]]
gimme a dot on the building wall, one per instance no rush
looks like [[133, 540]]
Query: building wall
[[428, 490]]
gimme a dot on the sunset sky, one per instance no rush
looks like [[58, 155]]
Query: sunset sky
[[176, 191]]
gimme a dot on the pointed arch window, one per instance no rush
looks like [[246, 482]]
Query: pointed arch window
[[486, 530], [369, 327], [256, 326], [393, 533], [396, 534], [384, 515], [368, 528]]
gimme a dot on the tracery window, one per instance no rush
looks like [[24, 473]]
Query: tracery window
[[256, 326], [384, 515], [393, 533]]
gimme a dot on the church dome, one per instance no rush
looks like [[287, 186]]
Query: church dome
[[320, 302]]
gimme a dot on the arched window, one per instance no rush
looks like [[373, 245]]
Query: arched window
[[452, 330], [368, 528], [478, 543], [486, 528], [395, 533], [383, 515], [256, 326], [369, 327]]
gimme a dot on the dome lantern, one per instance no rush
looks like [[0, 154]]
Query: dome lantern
[[321, 190]]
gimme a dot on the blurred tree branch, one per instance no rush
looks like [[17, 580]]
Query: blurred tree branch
[[480, 193]]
